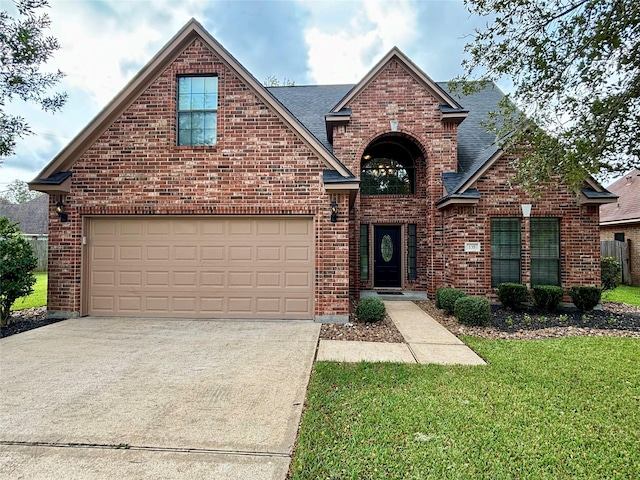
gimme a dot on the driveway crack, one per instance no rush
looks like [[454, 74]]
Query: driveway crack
[[146, 448]]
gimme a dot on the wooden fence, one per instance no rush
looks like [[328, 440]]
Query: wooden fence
[[619, 251], [40, 245]]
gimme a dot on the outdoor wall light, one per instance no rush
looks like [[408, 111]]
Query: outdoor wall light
[[526, 210], [61, 213], [334, 212]]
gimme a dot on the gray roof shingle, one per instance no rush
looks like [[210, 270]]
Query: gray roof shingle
[[310, 103], [32, 216]]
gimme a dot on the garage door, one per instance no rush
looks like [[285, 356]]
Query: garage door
[[201, 267]]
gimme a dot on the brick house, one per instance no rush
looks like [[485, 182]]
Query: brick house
[[197, 192], [621, 221]]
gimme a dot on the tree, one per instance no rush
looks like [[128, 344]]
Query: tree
[[16, 266], [273, 81], [24, 48], [575, 68], [18, 192]]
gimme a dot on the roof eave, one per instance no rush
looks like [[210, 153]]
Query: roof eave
[[51, 188], [446, 202], [619, 222]]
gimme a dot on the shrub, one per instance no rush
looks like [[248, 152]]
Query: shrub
[[585, 298], [512, 295], [371, 309], [610, 273], [16, 268], [446, 299], [547, 297], [473, 311]]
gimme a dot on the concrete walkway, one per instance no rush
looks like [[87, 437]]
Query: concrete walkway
[[426, 342]]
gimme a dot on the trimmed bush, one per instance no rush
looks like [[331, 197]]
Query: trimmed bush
[[473, 311], [547, 297], [585, 298], [446, 299], [371, 309], [512, 295], [610, 273], [16, 268]]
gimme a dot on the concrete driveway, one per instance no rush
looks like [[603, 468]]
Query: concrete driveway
[[113, 398]]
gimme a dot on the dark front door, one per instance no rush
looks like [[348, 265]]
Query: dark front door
[[387, 257]]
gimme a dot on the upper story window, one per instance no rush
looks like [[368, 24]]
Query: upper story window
[[389, 167], [197, 110]]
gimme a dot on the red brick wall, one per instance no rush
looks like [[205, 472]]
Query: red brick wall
[[632, 238], [394, 94], [257, 167], [579, 236]]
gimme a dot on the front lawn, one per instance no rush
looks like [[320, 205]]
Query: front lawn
[[546, 409], [39, 296], [623, 294]]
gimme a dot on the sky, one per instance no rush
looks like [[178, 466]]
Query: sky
[[104, 43]]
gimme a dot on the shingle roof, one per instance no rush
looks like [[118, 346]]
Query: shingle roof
[[309, 104], [628, 205], [32, 216]]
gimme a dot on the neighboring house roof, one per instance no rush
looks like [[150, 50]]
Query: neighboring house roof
[[32, 216], [64, 161], [627, 208]]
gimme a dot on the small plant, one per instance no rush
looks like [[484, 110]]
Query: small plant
[[612, 320], [446, 299], [512, 295], [16, 266], [542, 319], [509, 321], [585, 298], [527, 319], [563, 318], [371, 309], [473, 311], [610, 273], [585, 319], [547, 297]]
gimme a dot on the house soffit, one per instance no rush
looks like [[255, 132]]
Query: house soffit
[[150, 72]]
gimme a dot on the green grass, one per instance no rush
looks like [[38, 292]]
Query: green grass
[[546, 409], [39, 296], [623, 294]]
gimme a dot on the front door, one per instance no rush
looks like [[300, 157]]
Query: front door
[[387, 257]]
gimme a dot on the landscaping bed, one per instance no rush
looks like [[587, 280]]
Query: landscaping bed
[[27, 319], [612, 320]]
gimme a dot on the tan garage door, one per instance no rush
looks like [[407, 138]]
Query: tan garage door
[[201, 267]]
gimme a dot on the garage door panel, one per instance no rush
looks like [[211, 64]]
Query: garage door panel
[[130, 252], [130, 278], [103, 279], [201, 267]]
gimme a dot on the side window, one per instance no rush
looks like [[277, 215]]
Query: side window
[[364, 251], [412, 251], [197, 110], [505, 250], [545, 251]]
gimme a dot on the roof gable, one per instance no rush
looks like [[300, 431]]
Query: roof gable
[[149, 73], [440, 94], [628, 205]]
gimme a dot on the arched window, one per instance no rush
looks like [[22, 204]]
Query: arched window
[[388, 167]]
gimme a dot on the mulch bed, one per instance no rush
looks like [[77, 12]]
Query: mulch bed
[[613, 320], [27, 319]]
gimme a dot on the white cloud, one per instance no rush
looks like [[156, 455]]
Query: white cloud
[[97, 38], [370, 30]]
